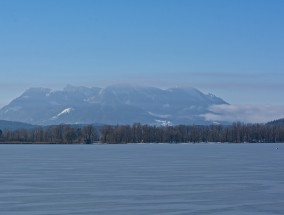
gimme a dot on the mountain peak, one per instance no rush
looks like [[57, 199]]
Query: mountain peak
[[36, 91], [71, 88]]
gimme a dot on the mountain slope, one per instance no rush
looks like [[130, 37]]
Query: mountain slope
[[117, 104], [10, 125], [276, 122]]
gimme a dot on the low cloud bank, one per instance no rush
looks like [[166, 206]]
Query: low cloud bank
[[244, 113]]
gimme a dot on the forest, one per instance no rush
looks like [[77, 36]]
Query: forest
[[138, 133]]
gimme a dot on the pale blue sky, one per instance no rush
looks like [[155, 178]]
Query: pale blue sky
[[234, 49]]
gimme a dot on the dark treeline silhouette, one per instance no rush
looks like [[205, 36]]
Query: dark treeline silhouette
[[138, 133], [235, 133], [55, 134]]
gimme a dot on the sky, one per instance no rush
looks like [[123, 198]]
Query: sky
[[233, 49]]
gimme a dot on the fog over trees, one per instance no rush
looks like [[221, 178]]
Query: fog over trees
[[138, 133]]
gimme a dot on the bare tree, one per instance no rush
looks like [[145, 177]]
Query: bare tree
[[89, 134]]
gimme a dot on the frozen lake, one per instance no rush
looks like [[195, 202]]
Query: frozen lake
[[178, 179]]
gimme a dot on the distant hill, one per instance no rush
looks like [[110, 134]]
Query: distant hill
[[117, 104], [10, 125], [277, 122]]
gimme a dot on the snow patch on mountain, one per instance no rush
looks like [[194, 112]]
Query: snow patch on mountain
[[65, 111], [50, 92]]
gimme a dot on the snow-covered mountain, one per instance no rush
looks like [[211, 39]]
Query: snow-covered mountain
[[117, 104]]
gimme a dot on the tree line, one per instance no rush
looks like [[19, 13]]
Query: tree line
[[58, 134], [138, 133]]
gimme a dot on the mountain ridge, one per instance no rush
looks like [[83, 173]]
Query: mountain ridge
[[13, 125], [114, 104]]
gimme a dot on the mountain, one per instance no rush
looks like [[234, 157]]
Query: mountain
[[276, 122], [10, 125], [117, 104]]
